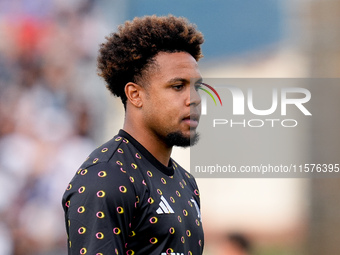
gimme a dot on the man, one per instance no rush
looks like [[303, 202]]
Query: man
[[129, 196]]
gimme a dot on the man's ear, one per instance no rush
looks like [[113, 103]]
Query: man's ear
[[133, 93]]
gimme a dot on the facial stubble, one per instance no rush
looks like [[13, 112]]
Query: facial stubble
[[178, 139]]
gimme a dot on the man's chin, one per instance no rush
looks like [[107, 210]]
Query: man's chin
[[181, 140]]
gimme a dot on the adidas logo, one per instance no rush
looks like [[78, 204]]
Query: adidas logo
[[164, 207]]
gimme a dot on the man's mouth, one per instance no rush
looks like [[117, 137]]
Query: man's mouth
[[192, 120]]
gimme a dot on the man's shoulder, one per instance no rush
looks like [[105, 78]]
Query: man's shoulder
[[186, 174], [102, 170], [111, 160], [104, 153]]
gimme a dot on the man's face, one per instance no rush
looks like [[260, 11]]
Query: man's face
[[172, 109]]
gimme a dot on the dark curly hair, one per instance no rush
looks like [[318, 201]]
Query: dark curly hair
[[127, 54]]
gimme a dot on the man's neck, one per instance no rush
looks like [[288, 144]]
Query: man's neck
[[151, 142]]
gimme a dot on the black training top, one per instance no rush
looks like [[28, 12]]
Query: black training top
[[124, 201]]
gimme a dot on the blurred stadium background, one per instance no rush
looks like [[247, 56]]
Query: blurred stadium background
[[54, 110]]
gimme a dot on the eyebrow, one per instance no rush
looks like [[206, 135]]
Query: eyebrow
[[177, 79]]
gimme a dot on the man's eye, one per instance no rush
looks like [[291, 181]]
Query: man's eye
[[178, 87]]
